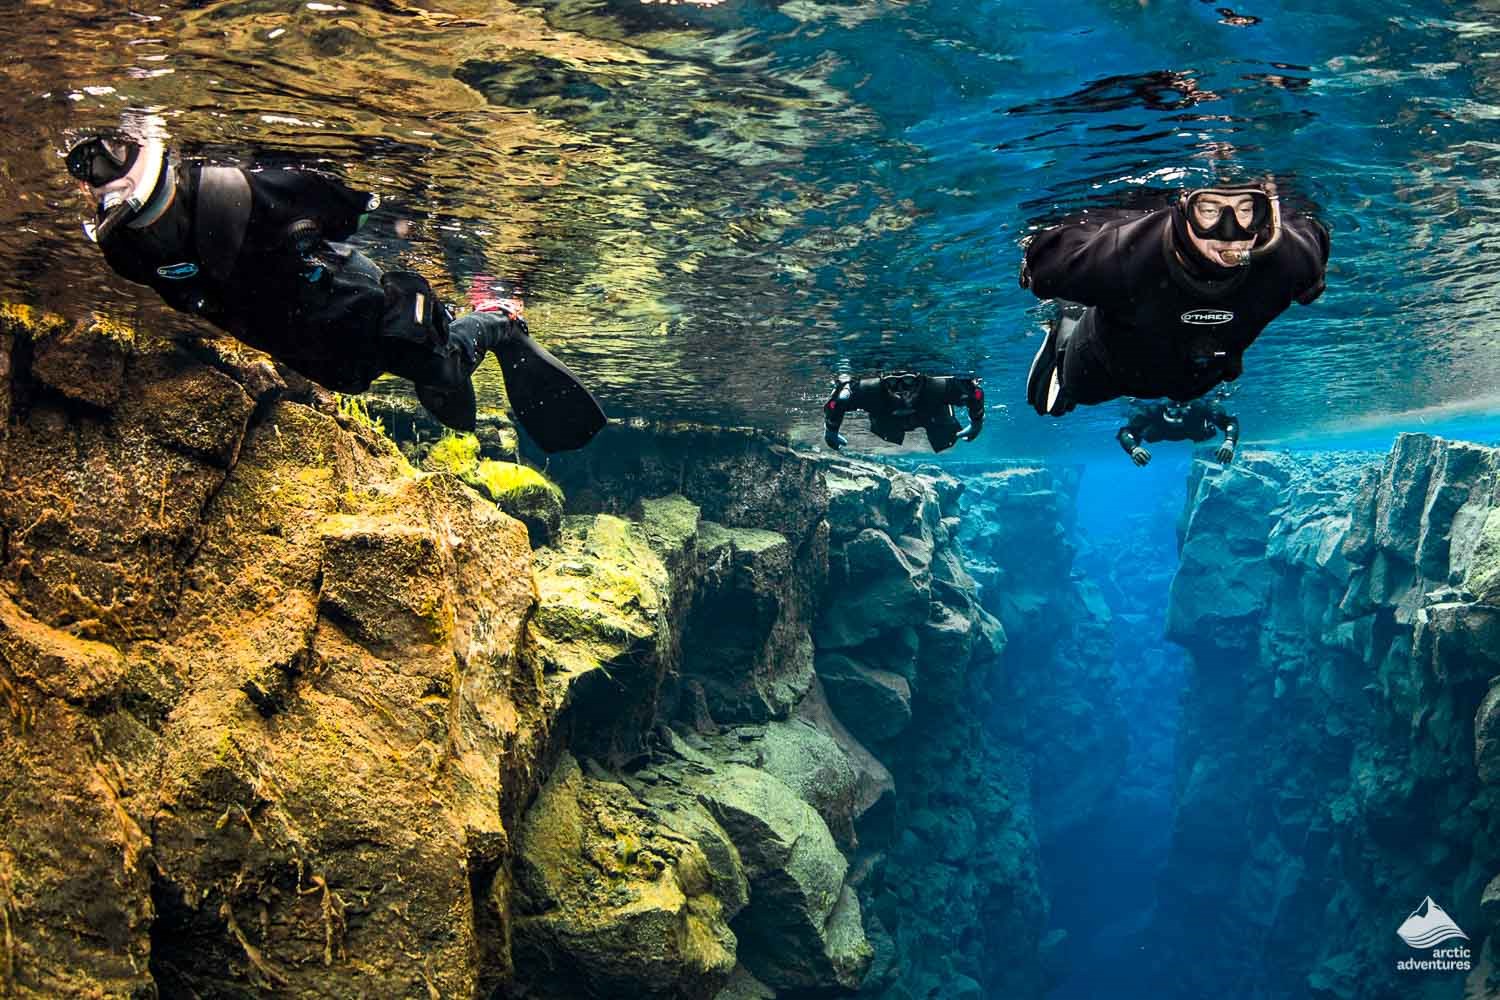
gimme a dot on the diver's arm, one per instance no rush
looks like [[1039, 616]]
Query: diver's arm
[[839, 403], [1230, 425], [1078, 261], [968, 392], [1129, 437], [285, 196], [1303, 252]]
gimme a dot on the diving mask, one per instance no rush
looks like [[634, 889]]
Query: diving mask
[[1235, 215], [904, 387], [130, 181]]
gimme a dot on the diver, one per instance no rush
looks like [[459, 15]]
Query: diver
[[904, 401], [1165, 304], [259, 253], [1199, 420]]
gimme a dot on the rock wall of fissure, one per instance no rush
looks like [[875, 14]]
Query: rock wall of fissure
[[1338, 754]]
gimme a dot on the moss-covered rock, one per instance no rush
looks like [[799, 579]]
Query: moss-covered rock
[[801, 930], [1483, 577], [603, 630], [519, 490], [610, 904], [267, 716]]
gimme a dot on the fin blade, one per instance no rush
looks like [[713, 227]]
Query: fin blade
[[554, 408]]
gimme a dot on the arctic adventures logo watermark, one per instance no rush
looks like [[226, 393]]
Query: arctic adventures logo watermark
[[1423, 930]]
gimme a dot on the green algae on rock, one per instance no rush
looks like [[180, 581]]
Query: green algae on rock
[[610, 904], [519, 490], [286, 765]]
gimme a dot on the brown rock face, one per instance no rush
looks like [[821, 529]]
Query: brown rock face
[[266, 719]]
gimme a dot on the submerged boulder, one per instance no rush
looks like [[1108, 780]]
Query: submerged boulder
[[874, 704], [802, 928], [610, 904]]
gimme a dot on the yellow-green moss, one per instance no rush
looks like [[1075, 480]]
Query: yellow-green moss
[[455, 453], [519, 490], [16, 317], [507, 480], [354, 408]]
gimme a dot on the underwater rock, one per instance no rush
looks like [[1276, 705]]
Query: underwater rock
[[876, 588], [801, 929], [278, 706], [1222, 586], [603, 630], [744, 986], [519, 490], [1487, 736], [745, 639], [875, 703], [283, 766], [611, 904], [1340, 708], [947, 874]]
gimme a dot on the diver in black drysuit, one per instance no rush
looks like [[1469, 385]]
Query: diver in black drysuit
[[1200, 420], [1166, 302], [258, 252], [903, 402]]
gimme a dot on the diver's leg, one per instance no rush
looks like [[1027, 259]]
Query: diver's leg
[[549, 401], [1045, 389], [942, 430]]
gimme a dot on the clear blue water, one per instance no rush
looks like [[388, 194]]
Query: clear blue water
[[713, 207]]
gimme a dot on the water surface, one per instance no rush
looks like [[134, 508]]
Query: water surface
[[713, 207]]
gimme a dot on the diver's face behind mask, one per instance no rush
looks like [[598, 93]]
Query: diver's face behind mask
[[903, 389], [122, 176], [1228, 225], [1174, 413]]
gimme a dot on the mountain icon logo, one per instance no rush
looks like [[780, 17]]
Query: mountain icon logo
[[1429, 925]]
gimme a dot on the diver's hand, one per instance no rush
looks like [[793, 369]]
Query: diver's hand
[[1140, 456], [834, 439], [970, 432], [1225, 454]]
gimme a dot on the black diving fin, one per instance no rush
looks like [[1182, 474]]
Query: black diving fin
[[549, 402], [455, 405]]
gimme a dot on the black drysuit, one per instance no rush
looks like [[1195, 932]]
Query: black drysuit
[[259, 253], [890, 419], [1202, 422], [1160, 323]]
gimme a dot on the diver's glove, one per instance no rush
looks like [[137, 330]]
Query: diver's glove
[[1225, 454], [1140, 456], [834, 439]]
